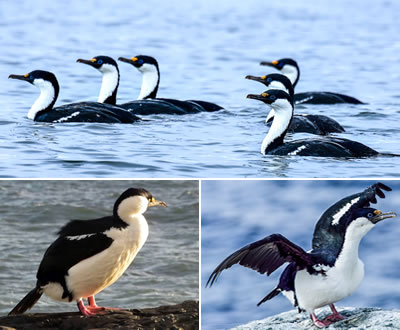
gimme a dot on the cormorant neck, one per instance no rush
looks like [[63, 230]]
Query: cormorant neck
[[282, 118], [150, 81], [48, 97], [109, 84], [348, 256], [292, 72], [277, 85]]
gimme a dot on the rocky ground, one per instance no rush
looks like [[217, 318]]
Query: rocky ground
[[357, 318], [181, 316]]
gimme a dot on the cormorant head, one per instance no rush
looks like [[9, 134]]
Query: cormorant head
[[141, 62], [274, 97], [101, 63], [361, 220], [134, 201], [37, 77], [281, 64], [275, 81]]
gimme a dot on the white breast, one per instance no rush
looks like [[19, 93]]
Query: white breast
[[94, 274]]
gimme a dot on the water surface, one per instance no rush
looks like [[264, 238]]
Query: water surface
[[205, 49]]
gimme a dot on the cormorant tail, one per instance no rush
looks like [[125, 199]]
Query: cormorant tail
[[27, 302], [270, 295]]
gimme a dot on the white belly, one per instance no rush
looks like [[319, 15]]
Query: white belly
[[315, 291]]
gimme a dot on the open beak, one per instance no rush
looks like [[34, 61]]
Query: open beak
[[155, 202], [379, 216], [19, 77]]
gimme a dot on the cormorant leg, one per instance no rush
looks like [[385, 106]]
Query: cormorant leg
[[83, 309], [317, 322], [93, 306], [335, 316]]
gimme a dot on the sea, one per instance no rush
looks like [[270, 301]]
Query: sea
[[204, 49]]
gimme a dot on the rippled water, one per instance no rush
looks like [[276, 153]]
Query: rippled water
[[235, 213], [205, 48], [165, 271]]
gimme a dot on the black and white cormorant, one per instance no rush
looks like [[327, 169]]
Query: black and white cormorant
[[290, 68], [314, 124], [148, 67], [90, 255], [274, 144], [109, 88], [42, 110], [328, 273]]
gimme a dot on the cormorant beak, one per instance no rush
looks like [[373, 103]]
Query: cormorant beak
[[259, 79], [379, 216], [19, 77], [91, 62], [261, 97], [133, 61], [273, 63], [155, 202]]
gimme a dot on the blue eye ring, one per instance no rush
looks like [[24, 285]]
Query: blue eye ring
[[269, 79], [280, 64], [30, 77], [272, 97], [100, 61], [140, 61], [370, 215]]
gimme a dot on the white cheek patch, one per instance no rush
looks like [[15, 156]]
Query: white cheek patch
[[291, 72], [47, 94], [149, 80], [278, 85], [109, 82], [132, 206], [336, 217]]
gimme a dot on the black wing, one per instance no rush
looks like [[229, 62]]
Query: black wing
[[66, 252], [264, 256], [84, 227], [329, 223]]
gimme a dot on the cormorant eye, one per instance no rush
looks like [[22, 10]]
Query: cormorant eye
[[30, 77], [100, 62], [272, 97], [269, 80], [280, 64], [370, 215], [140, 61]]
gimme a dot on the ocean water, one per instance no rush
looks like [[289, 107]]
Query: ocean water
[[235, 213], [205, 49], [165, 271]]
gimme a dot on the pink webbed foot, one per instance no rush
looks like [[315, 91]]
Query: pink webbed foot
[[335, 316], [93, 306], [85, 311], [319, 323]]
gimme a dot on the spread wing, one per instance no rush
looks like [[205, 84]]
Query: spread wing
[[329, 223], [264, 256]]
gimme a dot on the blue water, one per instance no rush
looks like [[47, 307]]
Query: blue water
[[33, 211], [205, 49], [235, 213]]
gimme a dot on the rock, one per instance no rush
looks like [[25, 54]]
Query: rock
[[357, 318], [177, 317]]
